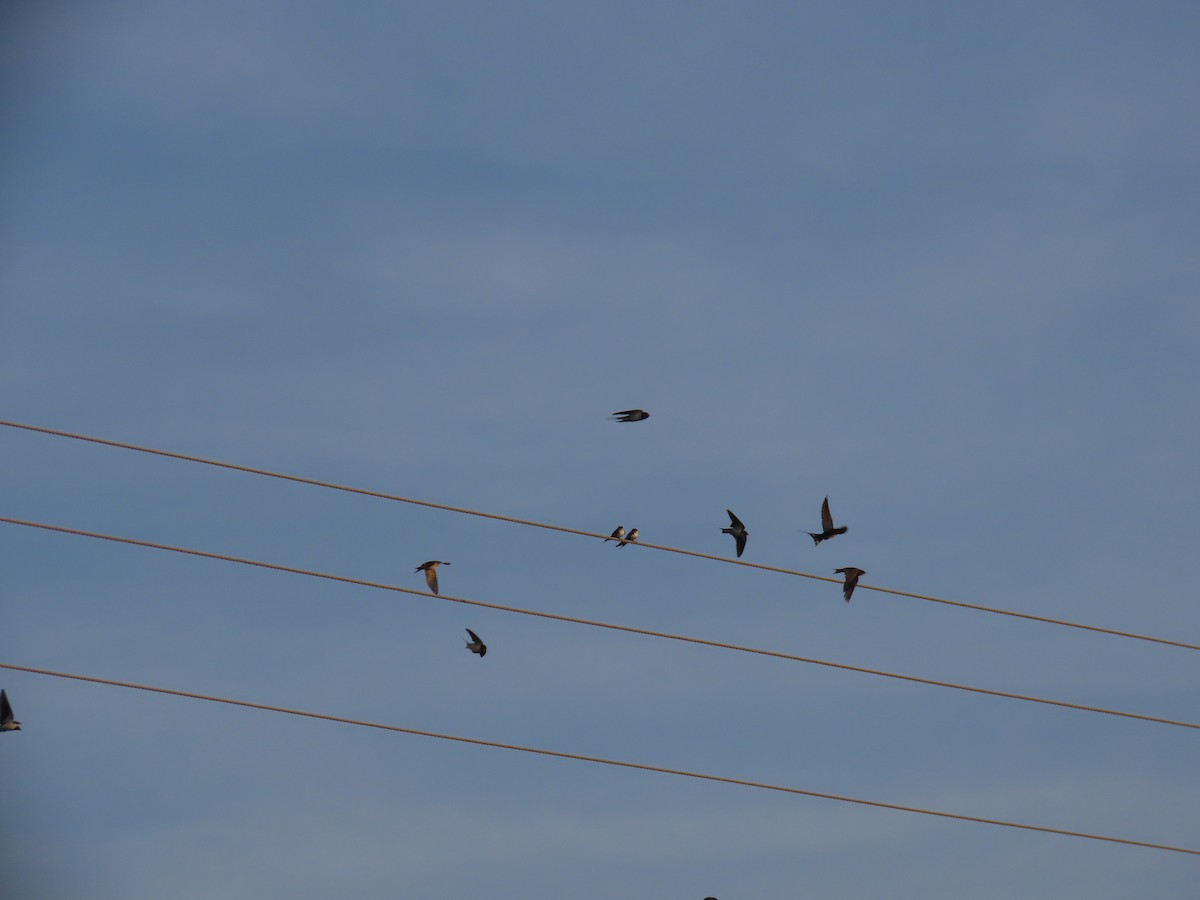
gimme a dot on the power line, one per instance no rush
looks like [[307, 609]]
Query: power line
[[662, 770], [592, 534], [597, 624]]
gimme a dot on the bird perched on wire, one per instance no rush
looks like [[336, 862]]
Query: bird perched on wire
[[852, 575], [430, 570], [7, 722], [632, 536], [475, 645], [827, 529], [738, 530], [631, 415], [618, 533]]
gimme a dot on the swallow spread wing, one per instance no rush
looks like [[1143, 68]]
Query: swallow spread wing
[[632, 536], [7, 722], [738, 530], [618, 533], [430, 570], [631, 415], [475, 645], [827, 529], [852, 575]]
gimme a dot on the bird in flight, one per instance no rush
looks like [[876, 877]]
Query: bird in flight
[[7, 722], [738, 530], [852, 575], [430, 570], [631, 415], [475, 645], [827, 529], [632, 536], [618, 533]]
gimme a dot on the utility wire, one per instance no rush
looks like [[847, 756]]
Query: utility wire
[[662, 770], [592, 534], [596, 624]]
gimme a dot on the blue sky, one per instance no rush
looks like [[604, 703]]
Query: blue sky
[[936, 261]]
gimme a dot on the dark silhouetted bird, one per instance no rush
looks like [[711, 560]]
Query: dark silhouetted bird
[[618, 533], [852, 575], [7, 722], [632, 536], [475, 645], [430, 570], [631, 415], [738, 530], [827, 529]]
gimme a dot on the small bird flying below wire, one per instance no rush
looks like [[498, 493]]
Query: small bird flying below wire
[[827, 529], [475, 645], [631, 415], [852, 575], [618, 533], [632, 536], [738, 530], [7, 722], [430, 570]]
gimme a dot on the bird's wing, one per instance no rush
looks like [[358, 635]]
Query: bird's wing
[[626, 412], [6, 712], [474, 636], [741, 542], [735, 521], [826, 517], [431, 579]]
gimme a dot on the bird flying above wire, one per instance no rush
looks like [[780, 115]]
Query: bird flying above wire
[[852, 575], [738, 530], [7, 722], [631, 415], [475, 645], [827, 529], [430, 570], [618, 533], [632, 536]]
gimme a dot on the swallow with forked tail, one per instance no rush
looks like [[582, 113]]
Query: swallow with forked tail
[[738, 530], [827, 529], [430, 570], [475, 645], [631, 415], [852, 575]]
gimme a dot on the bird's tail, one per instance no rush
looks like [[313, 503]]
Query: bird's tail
[[816, 538]]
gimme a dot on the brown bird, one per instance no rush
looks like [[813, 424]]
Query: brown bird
[[631, 415], [632, 536], [7, 722], [827, 529], [618, 533], [475, 645], [430, 570], [852, 575]]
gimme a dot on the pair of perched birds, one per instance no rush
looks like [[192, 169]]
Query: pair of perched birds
[[620, 535], [475, 645], [850, 574], [7, 722]]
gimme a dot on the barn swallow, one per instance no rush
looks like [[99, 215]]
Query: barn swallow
[[738, 530], [631, 415], [852, 575], [475, 645], [7, 722], [632, 536], [430, 569], [827, 529], [618, 533]]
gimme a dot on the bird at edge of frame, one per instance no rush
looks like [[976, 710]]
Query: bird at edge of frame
[[827, 529], [7, 722], [852, 574], [430, 569], [475, 645], [738, 530], [631, 415]]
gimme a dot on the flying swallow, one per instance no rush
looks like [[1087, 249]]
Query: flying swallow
[[632, 536], [738, 530], [618, 533], [827, 529], [631, 415], [852, 575], [475, 645], [430, 569], [7, 722]]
